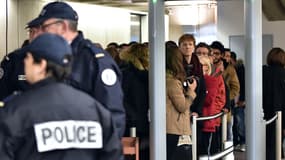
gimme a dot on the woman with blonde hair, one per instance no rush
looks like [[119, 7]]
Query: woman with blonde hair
[[213, 104]]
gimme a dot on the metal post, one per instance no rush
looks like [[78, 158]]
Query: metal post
[[278, 135], [255, 125], [194, 138], [224, 130], [157, 80]]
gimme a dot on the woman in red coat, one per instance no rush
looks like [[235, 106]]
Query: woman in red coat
[[213, 104]]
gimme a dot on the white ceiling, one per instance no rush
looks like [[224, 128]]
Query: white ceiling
[[142, 5]]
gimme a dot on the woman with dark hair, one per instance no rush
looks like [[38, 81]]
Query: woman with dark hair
[[178, 102], [273, 95]]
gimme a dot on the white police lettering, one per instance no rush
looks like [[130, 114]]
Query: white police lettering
[[109, 77], [1, 73], [68, 134]]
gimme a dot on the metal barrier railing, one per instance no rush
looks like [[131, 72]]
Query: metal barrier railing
[[278, 138], [194, 132], [218, 155]]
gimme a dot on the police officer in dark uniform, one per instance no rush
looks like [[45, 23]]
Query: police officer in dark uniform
[[93, 71], [12, 77], [52, 120]]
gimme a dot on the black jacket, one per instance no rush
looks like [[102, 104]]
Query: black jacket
[[195, 69], [95, 72], [273, 90], [273, 84], [12, 76], [35, 124], [136, 99]]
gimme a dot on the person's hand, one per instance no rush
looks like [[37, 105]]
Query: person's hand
[[225, 110], [241, 103], [192, 85], [195, 114]]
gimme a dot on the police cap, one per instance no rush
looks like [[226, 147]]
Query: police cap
[[54, 10], [51, 47]]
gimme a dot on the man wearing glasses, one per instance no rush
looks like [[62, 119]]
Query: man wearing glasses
[[230, 78], [93, 71]]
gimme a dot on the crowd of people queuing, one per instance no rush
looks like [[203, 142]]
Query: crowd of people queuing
[[42, 117]]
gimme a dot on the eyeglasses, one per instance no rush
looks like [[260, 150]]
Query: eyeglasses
[[203, 54], [217, 53], [44, 27]]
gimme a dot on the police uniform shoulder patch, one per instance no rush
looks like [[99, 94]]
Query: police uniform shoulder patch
[[109, 77], [1, 72], [1, 104]]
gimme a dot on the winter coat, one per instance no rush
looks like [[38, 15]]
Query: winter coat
[[214, 101]]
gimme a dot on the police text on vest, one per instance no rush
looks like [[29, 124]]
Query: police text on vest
[[68, 134]]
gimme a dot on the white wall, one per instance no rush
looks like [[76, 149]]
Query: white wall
[[175, 31], [105, 25], [198, 20], [231, 22], [144, 28], [98, 23], [276, 28]]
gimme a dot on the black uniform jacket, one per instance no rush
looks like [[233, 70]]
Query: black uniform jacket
[[12, 76], [53, 121], [95, 72]]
